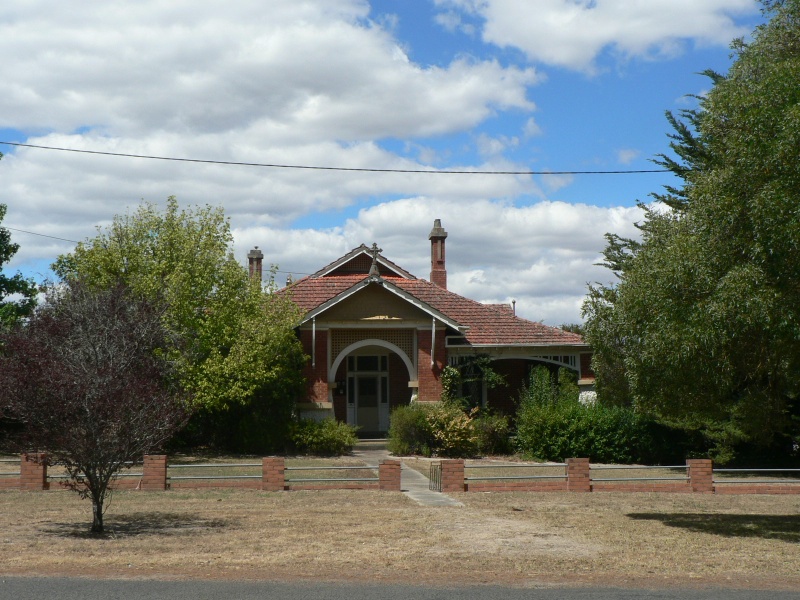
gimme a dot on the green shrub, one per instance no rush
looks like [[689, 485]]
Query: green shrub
[[491, 433], [569, 429], [323, 438], [553, 425], [453, 433], [440, 429], [409, 431]]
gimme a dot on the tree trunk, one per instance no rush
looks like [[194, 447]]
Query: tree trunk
[[97, 516]]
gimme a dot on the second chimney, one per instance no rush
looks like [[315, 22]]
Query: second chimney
[[438, 271], [254, 260]]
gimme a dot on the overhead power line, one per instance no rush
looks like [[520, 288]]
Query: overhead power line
[[53, 237], [321, 168]]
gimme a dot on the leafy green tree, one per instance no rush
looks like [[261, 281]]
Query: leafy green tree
[[703, 325], [237, 345], [22, 291]]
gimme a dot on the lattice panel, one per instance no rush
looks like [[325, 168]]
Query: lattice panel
[[402, 338]]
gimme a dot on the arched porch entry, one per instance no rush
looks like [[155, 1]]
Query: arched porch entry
[[370, 378]]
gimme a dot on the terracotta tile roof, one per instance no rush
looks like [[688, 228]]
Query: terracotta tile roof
[[488, 324], [310, 292]]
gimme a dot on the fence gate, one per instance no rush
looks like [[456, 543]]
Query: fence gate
[[435, 483]]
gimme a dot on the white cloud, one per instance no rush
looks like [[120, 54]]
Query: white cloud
[[542, 255], [286, 73], [626, 156], [532, 128], [573, 33]]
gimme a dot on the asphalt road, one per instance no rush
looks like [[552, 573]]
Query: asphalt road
[[24, 588]]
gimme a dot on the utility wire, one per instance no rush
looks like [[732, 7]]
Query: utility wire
[[318, 168], [52, 237]]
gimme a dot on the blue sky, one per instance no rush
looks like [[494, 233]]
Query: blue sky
[[473, 85]]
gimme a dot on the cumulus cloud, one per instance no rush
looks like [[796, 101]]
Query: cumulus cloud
[[314, 82], [573, 33], [542, 255]]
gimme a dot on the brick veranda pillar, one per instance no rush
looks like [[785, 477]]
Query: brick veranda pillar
[[273, 474], [389, 475], [701, 475], [453, 475], [154, 472], [578, 478], [32, 472]]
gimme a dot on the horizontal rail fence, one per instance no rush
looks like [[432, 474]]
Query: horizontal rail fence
[[346, 481], [123, 480], [764, 481], [214, 475], [9, 478], [527, 477], [638, 478]]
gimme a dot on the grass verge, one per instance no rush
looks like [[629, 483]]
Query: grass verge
[[520, 539]]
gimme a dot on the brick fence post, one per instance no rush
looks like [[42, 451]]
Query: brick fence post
[[273, 474], [154, 472], [32, 472], [389, 475], [453, 475], [578, 478], [701, 475]]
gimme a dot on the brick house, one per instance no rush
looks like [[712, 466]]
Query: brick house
[[378, 337]]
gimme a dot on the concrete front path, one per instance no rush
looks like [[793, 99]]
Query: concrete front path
[[412, 483]]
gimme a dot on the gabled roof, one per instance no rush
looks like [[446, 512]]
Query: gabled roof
[[355, 261], [481, 324]]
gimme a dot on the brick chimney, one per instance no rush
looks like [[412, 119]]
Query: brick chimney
[[437, 237], [254, 259]]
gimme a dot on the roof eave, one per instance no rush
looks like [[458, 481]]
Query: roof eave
[[390, 287]]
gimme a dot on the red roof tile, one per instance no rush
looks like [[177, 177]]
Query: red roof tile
[[487, 324]]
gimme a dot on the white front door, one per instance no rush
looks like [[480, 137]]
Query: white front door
[[368, 394]]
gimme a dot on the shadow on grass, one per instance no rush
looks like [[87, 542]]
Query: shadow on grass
[[771, 527], [142, 523]]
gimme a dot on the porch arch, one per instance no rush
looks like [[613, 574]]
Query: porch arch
[[370, 342]]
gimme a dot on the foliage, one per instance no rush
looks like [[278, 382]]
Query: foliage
[[451, 430], [24, 290], [87, 379], [464, 384], [491, 433], [444, 429], [323, 438], [409, 432], [238, 350], [553, 425], [703, 326]]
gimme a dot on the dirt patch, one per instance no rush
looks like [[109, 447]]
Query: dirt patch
[[521, 539]]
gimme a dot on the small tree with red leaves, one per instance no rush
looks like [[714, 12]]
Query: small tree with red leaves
[[86, 377]]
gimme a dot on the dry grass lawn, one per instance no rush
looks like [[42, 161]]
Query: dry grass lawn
[[514, 539]]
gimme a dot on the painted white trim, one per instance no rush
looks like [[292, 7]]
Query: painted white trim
[[426, 308], [412, 375], [433, 341]]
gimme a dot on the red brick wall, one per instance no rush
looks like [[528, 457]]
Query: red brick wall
[[453, 475], [316, 376], [340, 400], [399, 392], [32, 472], [430, 384], [389, 475], [154, 472]]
